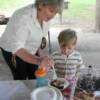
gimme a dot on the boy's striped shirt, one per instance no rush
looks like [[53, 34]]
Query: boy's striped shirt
[[67, 66]]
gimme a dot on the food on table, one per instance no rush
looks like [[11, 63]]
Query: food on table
[[97, 98], [57, 83], [86, 86], [83, 95]]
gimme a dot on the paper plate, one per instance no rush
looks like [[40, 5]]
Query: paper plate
[[44, 93]]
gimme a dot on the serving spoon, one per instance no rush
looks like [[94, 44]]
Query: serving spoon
[[55, 74]]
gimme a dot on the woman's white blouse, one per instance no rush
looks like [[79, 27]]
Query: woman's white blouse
[[23, 31]]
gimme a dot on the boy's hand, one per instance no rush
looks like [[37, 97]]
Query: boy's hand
[[46, 62]]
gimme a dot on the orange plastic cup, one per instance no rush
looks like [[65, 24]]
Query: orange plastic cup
[[40, 72]]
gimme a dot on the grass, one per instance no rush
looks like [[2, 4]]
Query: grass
[[6, 4], [80, 9], [77, 9]]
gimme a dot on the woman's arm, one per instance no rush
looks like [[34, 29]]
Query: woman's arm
[[44, 61], [27, 57]]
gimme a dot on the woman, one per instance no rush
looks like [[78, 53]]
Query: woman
[[20, 43]]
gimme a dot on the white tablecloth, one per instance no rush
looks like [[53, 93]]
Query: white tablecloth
[[16, 90]]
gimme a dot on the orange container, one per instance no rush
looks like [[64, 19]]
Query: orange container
[[41, 72], [41, 77]]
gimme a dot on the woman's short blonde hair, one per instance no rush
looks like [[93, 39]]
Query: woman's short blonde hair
[[58, 4]]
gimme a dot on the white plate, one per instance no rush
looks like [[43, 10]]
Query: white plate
[[44, 93], [59, 94], [66, 83]]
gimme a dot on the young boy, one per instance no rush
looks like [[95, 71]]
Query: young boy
[[67, 60]]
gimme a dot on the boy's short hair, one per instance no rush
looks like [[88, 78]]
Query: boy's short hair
[[66, 36]]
